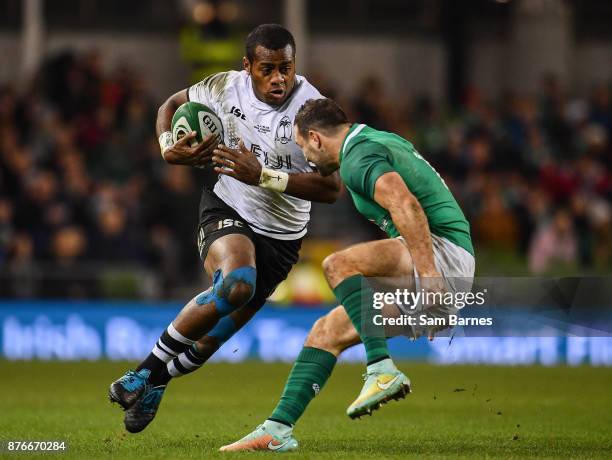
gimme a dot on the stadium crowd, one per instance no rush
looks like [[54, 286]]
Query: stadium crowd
[[83, 186]]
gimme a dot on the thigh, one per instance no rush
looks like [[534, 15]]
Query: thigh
[[381, 258], [225, 240], [229, 252]]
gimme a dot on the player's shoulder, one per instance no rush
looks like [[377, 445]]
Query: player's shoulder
[[359, 157], [372, 142], [365, 140], [221, 79], [216, 83]]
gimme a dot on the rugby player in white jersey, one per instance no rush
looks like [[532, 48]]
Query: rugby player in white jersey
[[255, 216]]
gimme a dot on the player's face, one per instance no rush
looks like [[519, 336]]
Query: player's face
[[315, 152], [273, 74]]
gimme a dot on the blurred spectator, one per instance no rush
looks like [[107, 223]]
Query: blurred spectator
[[583, 230], [114, 242], [370, 104], [67, 278], [68, 246], [6, 228], [495, 225], [554, 244]]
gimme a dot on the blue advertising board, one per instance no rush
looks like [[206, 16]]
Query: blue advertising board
[[128, 330]]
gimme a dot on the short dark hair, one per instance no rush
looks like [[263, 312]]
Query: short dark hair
[[270, 36], [320, 114]]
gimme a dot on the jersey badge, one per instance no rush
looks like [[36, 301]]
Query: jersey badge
[[284, 130]]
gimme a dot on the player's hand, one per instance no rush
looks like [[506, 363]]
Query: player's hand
[[241, 164], [433, 282], [200, 155], [433, 286]]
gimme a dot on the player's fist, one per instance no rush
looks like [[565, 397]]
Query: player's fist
[[241, 164], [186, 152]]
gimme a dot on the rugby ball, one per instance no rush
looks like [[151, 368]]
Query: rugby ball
[[193, 116]]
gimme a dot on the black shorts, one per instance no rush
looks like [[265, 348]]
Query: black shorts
[[273, 258]]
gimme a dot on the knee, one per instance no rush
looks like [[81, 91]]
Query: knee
[[230, 292], [236, 289], [240, 293], [328, 264], [338, 266], [334, 263]]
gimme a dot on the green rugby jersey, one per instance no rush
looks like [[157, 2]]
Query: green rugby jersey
[[366, 154]]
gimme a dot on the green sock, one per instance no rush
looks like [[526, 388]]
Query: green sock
[[310, 372], [350, 293]]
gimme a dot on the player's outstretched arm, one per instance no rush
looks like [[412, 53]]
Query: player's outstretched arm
[[313, 186], [181, 153], [242, 165], [391, 192]]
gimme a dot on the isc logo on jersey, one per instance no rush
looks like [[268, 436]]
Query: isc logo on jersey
[[193, 116], [225, 223]]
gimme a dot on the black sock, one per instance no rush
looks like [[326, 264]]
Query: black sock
[[160, 377], [187, 362], [168, 347], [152, 363]]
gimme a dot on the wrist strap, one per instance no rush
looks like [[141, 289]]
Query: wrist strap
[[165, 141], [273, 180]]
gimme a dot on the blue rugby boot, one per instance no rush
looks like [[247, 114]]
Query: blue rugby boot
[[143, 412], [126, 390]]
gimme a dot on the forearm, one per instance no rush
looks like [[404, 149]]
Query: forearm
[[411, 222], [164, 116], [163, 124], [314, 187], [243, 165]]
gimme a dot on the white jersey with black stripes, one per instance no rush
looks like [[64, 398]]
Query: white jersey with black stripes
[[268, 132]]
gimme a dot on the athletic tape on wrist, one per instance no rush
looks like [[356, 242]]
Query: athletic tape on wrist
[[273, 180], [165, 141]]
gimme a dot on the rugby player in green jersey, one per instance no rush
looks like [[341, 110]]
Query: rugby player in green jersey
[[429, 242]]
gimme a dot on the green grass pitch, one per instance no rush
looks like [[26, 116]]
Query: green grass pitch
[[458, 411]]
